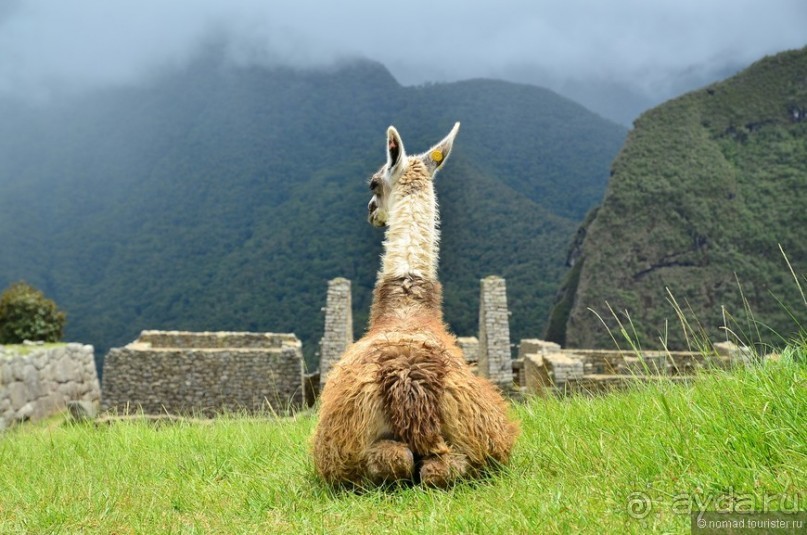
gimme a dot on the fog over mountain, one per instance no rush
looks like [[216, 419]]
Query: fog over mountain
[[618, 58], [222, 197]]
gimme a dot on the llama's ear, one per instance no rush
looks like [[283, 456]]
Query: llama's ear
[[438, 154], [396, 155]]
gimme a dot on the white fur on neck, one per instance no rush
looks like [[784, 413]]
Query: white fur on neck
[[412, 237]]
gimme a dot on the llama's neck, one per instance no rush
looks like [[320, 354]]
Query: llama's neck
[[412, 238]]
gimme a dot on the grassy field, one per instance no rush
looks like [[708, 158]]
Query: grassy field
[[633, 462]]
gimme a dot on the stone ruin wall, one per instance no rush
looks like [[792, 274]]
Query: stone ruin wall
[[550, 370], [205, 373], [41, 383], [541, 368]]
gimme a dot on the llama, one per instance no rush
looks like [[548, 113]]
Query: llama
[[402, 403]]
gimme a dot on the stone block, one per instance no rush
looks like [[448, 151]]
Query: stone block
[[26, 412], [68, 391], [562, 367], [64, 369], [40, 360], [17, 395], [30, 378], [15, 369], [82, 389], [535, 345], [49, 403], [81, 411], [734, 353], [470, 347]]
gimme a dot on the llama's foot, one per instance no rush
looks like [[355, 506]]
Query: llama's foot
[[440, 471], [388, 461]]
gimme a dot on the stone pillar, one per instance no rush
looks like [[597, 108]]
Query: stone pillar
[[495, 359], [338, 326]]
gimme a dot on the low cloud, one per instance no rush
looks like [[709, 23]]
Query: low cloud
[[649, 48]]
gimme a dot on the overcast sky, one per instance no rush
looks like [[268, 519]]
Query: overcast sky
[[651, 49]]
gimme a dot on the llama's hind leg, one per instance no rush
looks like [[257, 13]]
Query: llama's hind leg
[[443, 470], [388, 461], [475, 421]]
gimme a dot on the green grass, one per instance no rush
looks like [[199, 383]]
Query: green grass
[[16, 350], [577, 466]]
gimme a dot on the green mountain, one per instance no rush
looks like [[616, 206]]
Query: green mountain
[[705, 188], [224, 197]]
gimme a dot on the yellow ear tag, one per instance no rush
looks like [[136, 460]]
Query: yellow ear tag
[[437, 156]]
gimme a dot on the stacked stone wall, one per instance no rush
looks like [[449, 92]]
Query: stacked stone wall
[[552, 370], [36, 382], [205, 373]]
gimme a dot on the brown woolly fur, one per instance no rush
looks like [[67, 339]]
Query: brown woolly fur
[[402, 403], [391, 295]]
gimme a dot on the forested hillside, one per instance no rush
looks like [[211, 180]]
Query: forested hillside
[[706, 188], [224, 197]]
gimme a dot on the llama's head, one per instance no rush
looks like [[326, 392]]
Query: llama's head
[[398, 168]]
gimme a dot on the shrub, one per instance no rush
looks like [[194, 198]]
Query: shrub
[[26, 314]]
